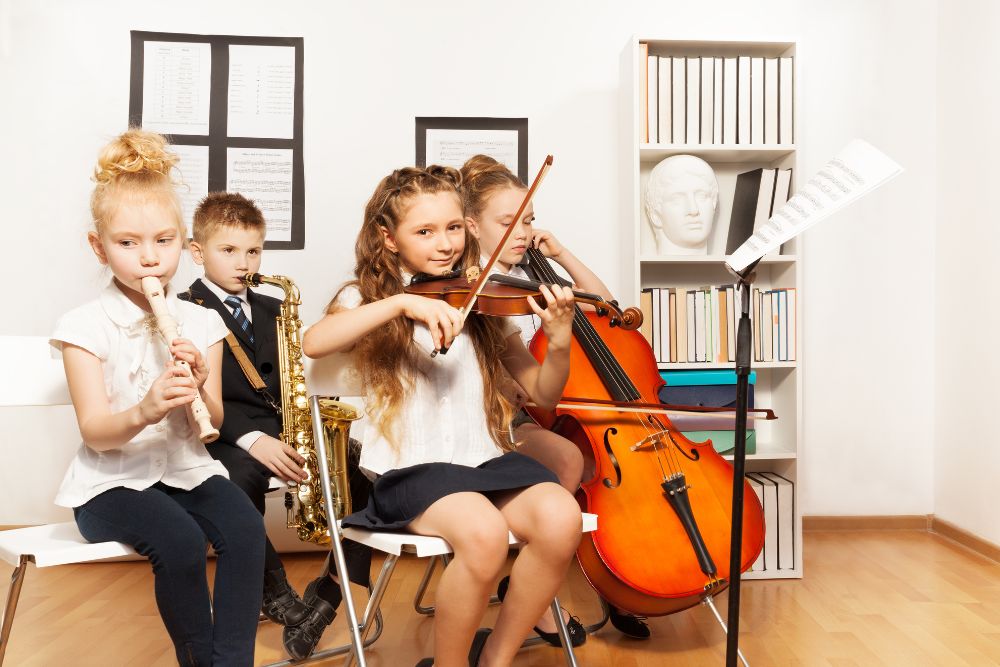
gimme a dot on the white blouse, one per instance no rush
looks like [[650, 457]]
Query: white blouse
[[133, 355], [442, 418]]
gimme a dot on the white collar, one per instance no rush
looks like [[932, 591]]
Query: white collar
[[222, 294]]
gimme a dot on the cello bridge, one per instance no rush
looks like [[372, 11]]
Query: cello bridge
[[654, 440]]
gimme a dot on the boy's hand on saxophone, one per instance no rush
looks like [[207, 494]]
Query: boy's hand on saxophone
[[184, 350], [174, 388], [279, 458]]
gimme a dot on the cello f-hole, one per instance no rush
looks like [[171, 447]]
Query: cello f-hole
[[614, 460]]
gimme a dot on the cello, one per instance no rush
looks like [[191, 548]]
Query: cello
[[664, 503]]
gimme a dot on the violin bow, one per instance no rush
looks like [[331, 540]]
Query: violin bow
[[484, 273], [573, 403]]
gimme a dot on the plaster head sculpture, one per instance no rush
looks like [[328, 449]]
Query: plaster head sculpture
[[681, 200]]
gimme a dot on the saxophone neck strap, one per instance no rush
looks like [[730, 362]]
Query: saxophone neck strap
[[245, 364]]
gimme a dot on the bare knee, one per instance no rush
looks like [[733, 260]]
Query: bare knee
[[482, 546], [557, 520]]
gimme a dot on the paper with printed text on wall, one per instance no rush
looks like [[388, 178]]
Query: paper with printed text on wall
[[857, 170]]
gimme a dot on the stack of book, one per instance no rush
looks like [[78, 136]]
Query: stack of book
[[777, 497], [699, 324], [712, 100]]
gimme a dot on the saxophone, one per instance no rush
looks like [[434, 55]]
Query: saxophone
[[308, 515]]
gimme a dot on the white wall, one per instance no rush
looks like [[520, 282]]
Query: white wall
[[967, 456], [371, 67]]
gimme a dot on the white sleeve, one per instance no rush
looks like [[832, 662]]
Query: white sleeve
[[81, 327]]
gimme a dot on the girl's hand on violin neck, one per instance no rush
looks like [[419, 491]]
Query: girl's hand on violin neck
[[171, 390], [557, 317], [547, 243], [443, 320]]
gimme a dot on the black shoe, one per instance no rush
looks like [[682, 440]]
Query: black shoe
[[300, 640], [628, 624], [282, 604], [426, 662], [577, 633], [478, 642]]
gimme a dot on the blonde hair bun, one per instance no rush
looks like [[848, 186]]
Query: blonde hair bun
[[134, 152]]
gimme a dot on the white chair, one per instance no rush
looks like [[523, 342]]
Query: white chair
[[393, 545], [39, 380]]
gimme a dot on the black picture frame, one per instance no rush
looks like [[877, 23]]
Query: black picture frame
[[217, 138], [520, 125]]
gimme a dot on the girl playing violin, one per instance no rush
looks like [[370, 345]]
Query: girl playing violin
[[491, 196], [437, 444]]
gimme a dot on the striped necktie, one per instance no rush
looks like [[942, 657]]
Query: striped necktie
[[236, 304]]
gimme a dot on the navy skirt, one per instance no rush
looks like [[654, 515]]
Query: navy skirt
[[399, 496]]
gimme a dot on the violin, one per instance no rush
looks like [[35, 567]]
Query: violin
[[506, 296]]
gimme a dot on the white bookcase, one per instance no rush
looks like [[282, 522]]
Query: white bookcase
[[779, 384]]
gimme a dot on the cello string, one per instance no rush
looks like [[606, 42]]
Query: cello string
[[605, 359]]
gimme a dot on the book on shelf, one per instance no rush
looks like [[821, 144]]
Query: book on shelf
[[646, 306], [769, 501]]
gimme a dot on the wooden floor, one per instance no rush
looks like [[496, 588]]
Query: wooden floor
[[869, 598]]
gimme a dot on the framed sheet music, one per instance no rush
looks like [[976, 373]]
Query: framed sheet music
[[232, 109], [452, 141]]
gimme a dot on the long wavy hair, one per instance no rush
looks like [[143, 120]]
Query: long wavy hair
[[386, 359]]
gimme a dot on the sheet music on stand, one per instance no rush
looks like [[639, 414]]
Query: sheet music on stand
[[854, 172]]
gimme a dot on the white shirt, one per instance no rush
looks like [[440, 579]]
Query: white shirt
[[133, 355], [442, 417]]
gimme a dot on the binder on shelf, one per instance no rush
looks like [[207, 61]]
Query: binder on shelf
[[785, 525], [656, 324], [729, 101], [664, 322], [743, 100], [652, 98], [744, 209], [717, 103], [759, 565], [693, 119], [756, 100], [664, 88], [786, 98], [770, 100], [644, 94], [707, 93], [646, 306], [678, 94], [770, 504], [790, 323], [682, 325]]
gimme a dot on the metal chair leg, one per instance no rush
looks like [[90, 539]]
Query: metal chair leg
[[564, 638], [13, 594], [373, 608], [422, 588]]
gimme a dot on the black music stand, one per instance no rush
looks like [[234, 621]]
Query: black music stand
[[744, 347]]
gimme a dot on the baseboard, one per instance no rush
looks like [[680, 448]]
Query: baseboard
[[889, 522], [11, 527], [965, 538]]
